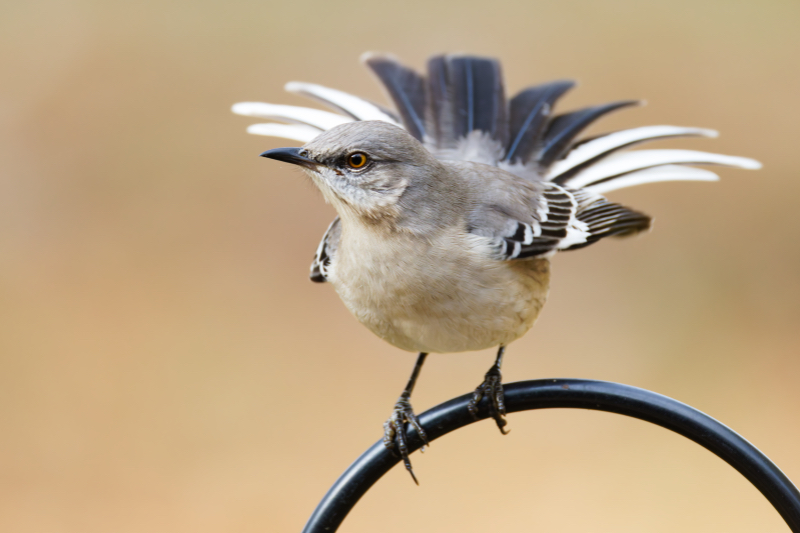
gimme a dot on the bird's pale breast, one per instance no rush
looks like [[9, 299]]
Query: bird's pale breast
[[443, 294]]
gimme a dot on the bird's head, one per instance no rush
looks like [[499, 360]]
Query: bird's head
[[364, 168]]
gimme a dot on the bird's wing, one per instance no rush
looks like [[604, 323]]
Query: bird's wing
[[326, 252], [538, 222]]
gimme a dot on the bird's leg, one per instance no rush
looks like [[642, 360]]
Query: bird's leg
[[395, 436], [492, 387]]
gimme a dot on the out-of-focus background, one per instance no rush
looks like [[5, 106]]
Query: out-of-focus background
[[166, 366]]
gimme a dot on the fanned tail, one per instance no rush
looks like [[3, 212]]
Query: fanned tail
[[459, 111]]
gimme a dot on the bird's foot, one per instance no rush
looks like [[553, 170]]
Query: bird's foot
[[492, 387], [395, 436]]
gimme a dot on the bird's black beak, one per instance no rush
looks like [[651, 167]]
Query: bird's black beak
[[291, 155]]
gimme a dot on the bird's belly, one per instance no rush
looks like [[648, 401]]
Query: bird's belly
[[446, 305]]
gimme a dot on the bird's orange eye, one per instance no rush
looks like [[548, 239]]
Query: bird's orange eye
[[357, 160]]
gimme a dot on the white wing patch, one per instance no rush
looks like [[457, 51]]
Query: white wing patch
[[567, 219], [555, 227]]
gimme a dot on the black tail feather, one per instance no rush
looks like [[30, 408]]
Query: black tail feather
[[465, 94], [528, 114], [439, 104], [407, 90]]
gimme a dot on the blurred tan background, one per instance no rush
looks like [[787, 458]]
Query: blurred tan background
[[166, 366]]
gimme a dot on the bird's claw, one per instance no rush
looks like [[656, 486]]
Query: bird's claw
[[492, 387], [395, 436]]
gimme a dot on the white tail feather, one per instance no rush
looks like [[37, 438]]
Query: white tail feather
[[652, 175], [295, 132], [352, 105], [289, 113], [627, 162], [612, 141]]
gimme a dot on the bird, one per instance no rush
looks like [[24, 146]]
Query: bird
[[451, 204]]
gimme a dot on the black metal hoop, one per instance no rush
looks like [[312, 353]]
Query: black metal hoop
[[579, 394]]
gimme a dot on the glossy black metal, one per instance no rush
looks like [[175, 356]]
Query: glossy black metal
[[570, 393]]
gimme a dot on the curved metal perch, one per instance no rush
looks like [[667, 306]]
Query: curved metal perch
[[570, 393]]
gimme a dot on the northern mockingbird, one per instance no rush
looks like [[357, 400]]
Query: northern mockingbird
[[451, 206]]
